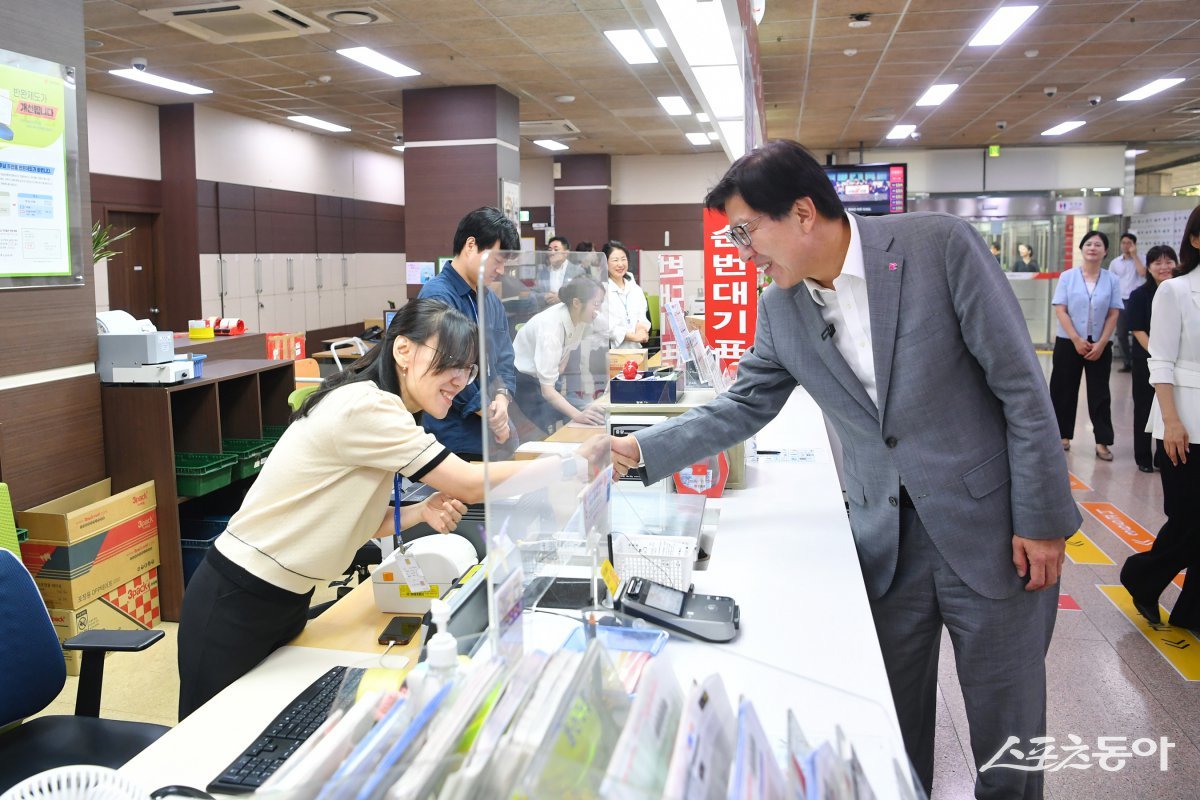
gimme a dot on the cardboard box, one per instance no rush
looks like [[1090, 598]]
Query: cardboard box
[[133, 606], [285, 346], [82, 513], [73, 575]]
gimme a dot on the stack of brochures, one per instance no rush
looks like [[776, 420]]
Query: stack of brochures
[[567, 725]]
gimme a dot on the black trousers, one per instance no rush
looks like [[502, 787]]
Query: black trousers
[[1143, 398], [231, 620], [1177, 546], [1067, 369]]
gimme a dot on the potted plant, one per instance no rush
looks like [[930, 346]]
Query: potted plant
[[103, 239]]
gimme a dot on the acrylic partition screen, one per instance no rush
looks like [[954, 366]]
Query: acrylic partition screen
[[41, 221], [544, 336]]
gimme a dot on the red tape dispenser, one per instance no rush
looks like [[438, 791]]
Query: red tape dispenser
[[230, 326]]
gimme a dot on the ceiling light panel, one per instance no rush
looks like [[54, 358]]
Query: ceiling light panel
[[701, 31], [370, 58], [675, 106], [159, 81], [550, 144], [901, 131], [1066, 127], [936, 95], [655, 37], [319, 123], [699, 139], [1001, 25], [1152, 88], [632, 46], [722, 87]]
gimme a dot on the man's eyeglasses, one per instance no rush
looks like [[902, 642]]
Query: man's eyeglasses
[[740, 234], [470, 373]]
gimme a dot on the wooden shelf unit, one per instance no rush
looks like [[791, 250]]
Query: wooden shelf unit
[[145, 425]]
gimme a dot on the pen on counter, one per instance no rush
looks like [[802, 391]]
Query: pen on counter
[[768, 452]]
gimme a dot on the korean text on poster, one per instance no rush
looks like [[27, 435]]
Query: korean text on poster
[[731, 292]]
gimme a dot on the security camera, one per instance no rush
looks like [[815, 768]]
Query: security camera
[[139, 64], [398, 137], [1050, 91], [915, 136], [1094, 100], [1001, 124]]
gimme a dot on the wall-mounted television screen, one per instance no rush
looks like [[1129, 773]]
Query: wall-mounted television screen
[[871, 189]]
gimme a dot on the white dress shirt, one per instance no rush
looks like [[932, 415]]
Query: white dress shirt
[[1175, 351], [627, 308], [1127, 272], [544, 342], [846, 308]]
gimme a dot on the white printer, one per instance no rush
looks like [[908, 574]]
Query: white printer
[[441, 560], [133, 351]]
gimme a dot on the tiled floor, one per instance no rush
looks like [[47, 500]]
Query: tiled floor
[[1105, 679]]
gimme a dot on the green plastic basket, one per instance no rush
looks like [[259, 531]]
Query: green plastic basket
[[274, 432], [251, 453], [201, 473]]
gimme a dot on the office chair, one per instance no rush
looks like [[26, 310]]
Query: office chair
[[33, 670]]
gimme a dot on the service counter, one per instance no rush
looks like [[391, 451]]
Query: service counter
[[783, 550]]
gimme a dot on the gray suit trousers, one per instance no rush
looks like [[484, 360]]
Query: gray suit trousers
[[999, 649]]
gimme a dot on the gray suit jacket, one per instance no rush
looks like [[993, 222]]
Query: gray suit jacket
[[964, 419]]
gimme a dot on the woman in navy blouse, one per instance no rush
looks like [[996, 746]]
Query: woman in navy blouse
[[1160, 266]]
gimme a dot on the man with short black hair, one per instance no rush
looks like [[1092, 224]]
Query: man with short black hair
[[914, 346], [1131, 272], [480, 236], [557, 271]]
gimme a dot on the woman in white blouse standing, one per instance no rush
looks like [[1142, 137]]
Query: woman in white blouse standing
[[629, 319], [1174, 420]]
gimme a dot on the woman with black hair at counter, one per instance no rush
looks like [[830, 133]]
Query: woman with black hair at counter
[[325, 490]]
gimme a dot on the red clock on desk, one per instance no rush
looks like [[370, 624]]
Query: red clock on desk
[[630, 370]]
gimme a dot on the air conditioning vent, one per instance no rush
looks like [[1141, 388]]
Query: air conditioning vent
[[353, 16], [540, 129], [243, 21]]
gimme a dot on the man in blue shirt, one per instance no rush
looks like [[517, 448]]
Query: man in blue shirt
[[480, 235]]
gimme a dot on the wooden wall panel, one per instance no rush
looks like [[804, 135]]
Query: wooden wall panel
[[279, 232], [236, 230], [536, 214], [582, 215], [51, 439], [329, 234], [128, 194], [458, 173], [206, 194], [642, 226], [179, 244], [283, 201]]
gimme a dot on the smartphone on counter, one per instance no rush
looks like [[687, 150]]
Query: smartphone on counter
[[401, 629]]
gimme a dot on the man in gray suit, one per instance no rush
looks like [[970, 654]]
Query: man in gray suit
[[913, 345]]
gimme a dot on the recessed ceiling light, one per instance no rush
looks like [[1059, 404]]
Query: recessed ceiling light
[[655, 37], [1065, 127], [632, 46], [713, 135], [565, 98], [157, 80], [1001, 25], [550, 144], [319, 123], [699, 139], [675, 106], [1032, 53], [901, 131], [1152, 88], [368, 57], [849, 51], [936, 95], [702, 117]]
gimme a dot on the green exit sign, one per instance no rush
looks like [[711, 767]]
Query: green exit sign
[[993, 151]]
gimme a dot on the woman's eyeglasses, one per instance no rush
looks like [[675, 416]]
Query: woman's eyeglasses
[[470, 373]]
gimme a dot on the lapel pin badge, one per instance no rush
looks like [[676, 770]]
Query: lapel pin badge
[[892, 266]]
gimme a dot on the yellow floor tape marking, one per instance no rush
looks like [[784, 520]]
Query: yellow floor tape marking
[[1082, 550], [1178, 646]]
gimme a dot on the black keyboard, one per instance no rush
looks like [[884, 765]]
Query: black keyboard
[[283, 736]]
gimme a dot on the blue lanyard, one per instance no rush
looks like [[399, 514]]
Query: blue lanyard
[[396, 483]]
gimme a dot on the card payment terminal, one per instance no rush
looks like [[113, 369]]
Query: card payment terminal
[[703, 616]]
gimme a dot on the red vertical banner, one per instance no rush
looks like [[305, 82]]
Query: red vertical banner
[[670, 288], [1068, 243], [730, 292]]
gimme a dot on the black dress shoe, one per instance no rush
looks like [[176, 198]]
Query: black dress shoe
[[1145, 468], [1148, 610]]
